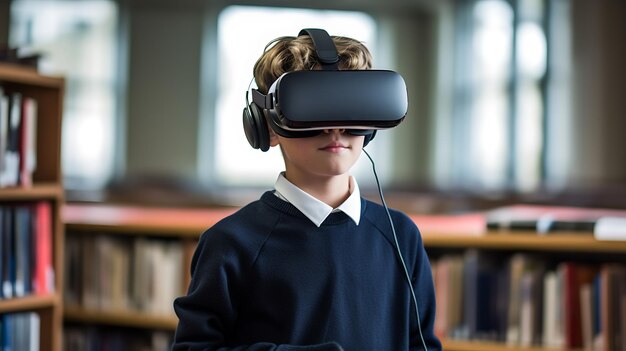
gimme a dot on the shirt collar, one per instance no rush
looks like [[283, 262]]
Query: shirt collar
[[314, 209]]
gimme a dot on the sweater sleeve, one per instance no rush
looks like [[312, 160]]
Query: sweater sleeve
[[423, 286], [208, 310], [207, 314]]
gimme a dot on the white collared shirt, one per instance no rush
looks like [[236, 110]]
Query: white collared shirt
[[314, 209]]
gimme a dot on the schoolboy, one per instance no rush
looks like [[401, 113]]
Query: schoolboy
[[310, 265]]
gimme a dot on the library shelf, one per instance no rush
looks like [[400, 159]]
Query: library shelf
[[137, 220], [29, 76], [130, 224], [27, 303], [36, 192], [39, 189], [120, 318], [453, 345], [562, 242]]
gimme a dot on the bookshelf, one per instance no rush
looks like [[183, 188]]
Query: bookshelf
[[41, 186], [526, 241], [130, 225], [442, 235], [489, 346], [539, 255]]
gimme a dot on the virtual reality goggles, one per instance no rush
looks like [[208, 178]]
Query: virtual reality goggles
[[316, 100], [303, 103]]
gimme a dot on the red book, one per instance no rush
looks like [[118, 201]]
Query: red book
[[27, 141], [43, 277], [574, 276]]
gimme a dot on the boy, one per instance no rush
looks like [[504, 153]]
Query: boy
[[310, 265]]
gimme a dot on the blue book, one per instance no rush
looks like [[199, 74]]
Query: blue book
[[596, 308], [23, 256], [8, 250], [7, 332]]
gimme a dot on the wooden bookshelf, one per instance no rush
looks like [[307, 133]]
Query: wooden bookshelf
[[581, 248], [36, 192], [47, 185], [513, 241], [129, 223], [452, 345], [135, 220], [120, 318], [29, 303]]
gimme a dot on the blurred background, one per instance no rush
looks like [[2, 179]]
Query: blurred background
[[510, 100]]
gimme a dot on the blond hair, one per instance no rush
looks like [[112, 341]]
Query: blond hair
[[287, 54]]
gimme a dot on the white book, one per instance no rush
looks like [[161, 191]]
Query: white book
[[586, 316], [34, 337], [610, 228], [517, 266], [551, 333]]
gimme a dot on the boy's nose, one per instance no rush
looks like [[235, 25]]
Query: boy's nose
[[329, 131]]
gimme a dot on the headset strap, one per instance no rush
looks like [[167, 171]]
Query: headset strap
[[261, 100], [324, 47]]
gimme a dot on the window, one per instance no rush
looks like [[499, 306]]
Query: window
[[243, 32], [530, 74], [499, 95], [492, 57], [77, 40]]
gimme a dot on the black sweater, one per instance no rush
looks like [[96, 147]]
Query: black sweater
[[266, 278]]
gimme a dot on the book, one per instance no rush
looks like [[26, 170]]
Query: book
[[552, 335], [619, 293], [27, 142], [531, 306], [20, 331], [623, 314], [120, 278], [110, 272], [574, 275], [442, 278], [23, 250], [43, 276], [613, 278], [4, 130], [517, 265], [470, 224], [482, 286], [8, 252], [610, 228], [586, 316], [102, 339], [547, 219], [10, 174], [72, 292], [3, 232], [160, 263], [596, 309], [448, 278], [90, 274]]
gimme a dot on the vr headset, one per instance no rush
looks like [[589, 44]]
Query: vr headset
[[302, 104]]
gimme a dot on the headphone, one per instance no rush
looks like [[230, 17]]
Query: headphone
[[255, 123]]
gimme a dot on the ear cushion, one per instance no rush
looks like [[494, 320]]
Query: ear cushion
[[369, 137], [255, 128], [264, 133]]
